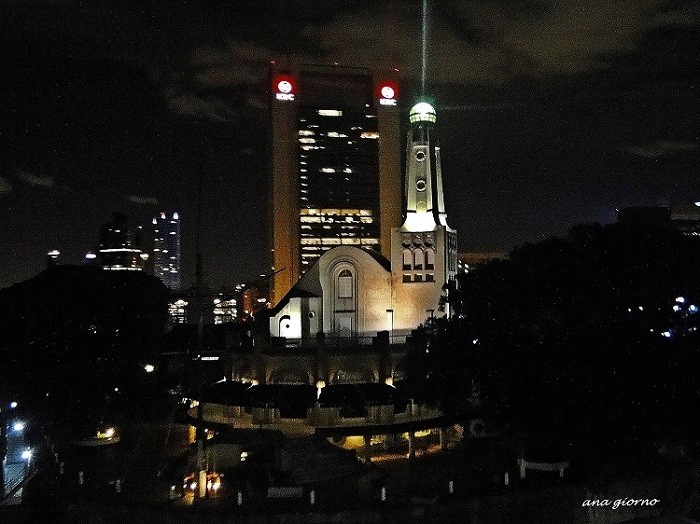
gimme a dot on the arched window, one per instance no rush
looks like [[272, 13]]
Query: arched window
[[407, 259], [430, 259], [418, 259], [345, 284]]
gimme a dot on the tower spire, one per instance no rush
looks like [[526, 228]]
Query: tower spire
[[424, 201]]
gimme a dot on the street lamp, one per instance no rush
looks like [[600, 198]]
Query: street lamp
[[27, 455]]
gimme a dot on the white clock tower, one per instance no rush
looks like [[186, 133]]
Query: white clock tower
[[424, 248]]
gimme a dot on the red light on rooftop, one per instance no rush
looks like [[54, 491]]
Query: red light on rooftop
[[387, 92], [284, 87]]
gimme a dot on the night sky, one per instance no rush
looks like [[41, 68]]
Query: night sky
[[550, 113]]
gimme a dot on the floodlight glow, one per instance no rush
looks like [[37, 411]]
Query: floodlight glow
[[13, 405], [18, 426], [149, 368], [27, 454], [422, 112]]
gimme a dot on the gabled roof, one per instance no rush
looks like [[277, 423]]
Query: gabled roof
[[308, 285], [381, 259], [295, 292]]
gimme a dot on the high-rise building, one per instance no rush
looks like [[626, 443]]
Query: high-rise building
[[52, 258], [336, 165], [354, 294], [119, 248], [166, 249]]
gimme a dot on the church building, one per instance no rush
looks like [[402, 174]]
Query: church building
[[352, 294]]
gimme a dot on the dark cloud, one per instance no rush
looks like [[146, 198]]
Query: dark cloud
[[5, 185], [205, 55], [36, 180], [659, 148], [144, 200], [548, 111]]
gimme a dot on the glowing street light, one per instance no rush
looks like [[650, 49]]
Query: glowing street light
[[149, 368], [18, 426]]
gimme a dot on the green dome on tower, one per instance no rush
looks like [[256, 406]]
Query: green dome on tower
[[422, 112]]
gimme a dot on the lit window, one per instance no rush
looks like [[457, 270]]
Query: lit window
[[329, 112]]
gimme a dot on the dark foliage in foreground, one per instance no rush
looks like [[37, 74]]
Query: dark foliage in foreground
[[73, 330], [581, 336]]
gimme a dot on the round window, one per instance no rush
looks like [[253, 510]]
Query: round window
[[420, 156], [420, 185]]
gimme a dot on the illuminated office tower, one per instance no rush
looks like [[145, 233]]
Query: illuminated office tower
[[166, 249], [336, 165], [119, 248]]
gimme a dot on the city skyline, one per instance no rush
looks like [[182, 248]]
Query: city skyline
[[602, 117]]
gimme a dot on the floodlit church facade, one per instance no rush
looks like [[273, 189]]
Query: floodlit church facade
[[355, 294]]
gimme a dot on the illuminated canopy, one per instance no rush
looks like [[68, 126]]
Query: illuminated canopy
[[422, 112]]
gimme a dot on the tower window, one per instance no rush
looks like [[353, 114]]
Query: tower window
[[430, 259], [418, 259], [407, 259]]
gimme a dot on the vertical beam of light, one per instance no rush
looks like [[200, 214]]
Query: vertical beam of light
[[424, 47]]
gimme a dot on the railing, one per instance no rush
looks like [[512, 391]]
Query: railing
[[365, 341], [317, 416], [13, 482]]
